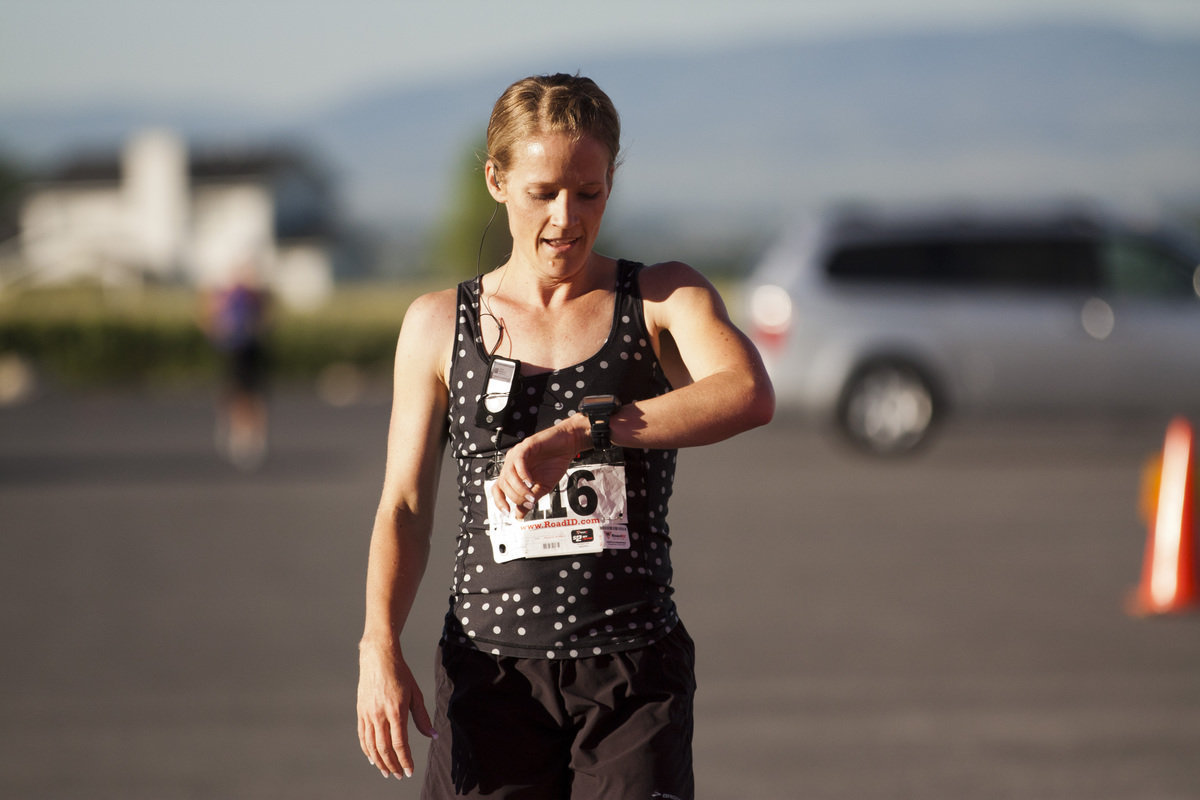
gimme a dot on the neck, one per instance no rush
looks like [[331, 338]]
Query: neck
[[528, 285]]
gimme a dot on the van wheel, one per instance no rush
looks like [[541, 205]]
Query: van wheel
[[887, 408]]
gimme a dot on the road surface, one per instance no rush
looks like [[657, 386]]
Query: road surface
[[948, 626]]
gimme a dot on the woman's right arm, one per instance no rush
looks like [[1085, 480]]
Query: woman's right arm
[[400, 539]]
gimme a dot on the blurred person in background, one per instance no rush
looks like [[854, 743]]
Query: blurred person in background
[[235, 319], [563, 381]]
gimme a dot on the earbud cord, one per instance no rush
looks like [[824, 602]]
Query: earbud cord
[[485, 308]]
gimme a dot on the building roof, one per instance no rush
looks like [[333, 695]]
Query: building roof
[[203, 165]]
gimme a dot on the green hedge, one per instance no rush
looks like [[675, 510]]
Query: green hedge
[[85, 336]]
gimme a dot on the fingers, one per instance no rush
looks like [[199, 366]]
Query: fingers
[[514, 494], [387, 695], [510, 501], [364, 736], [421, 718], [500, 498], [385, 744], [383, 736], [521, 471], [397, 755], [384, 741]]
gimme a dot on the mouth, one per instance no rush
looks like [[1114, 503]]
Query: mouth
[[561, 245]]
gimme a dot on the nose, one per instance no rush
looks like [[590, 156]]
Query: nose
[[562, 210]]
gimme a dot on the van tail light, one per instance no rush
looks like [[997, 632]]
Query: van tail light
[[770, 316]]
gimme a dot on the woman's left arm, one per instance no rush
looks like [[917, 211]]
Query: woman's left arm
[[721, 388]]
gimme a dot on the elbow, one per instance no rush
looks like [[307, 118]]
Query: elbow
[[757, 402], [758, 395], [760, 408]]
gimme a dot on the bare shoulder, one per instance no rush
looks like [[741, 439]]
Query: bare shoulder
[[660, 281], [693, 334], [427, 334], [433, 308], [675, 291]]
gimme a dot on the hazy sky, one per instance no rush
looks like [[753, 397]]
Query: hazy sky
[[290, 55]]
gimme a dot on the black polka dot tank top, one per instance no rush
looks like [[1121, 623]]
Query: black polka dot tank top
[[577, 605]]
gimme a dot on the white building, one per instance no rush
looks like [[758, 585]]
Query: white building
[[156, 214]]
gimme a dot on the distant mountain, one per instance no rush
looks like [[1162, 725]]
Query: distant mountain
[[748, 134]]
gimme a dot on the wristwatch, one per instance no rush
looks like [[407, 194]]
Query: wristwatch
[[599, 407]]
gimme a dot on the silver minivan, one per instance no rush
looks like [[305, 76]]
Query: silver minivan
[[883, 323]]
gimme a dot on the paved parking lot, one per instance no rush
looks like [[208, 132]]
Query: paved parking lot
[[949, 626]]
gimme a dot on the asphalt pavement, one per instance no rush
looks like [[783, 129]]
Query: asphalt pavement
[[945, 626]]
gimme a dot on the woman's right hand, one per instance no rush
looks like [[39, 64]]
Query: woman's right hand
[[387, 695]]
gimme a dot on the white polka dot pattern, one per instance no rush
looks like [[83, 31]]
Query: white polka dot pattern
[[576, 605]]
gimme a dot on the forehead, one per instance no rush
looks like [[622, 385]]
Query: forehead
[[558, 155]]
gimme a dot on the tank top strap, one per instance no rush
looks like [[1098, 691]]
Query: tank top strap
[[468, 311], [629, 294]]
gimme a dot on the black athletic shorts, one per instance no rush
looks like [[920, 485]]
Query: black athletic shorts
[[611, 726], [246, 367]]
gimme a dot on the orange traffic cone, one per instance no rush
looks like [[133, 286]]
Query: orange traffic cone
[[1169, 573]]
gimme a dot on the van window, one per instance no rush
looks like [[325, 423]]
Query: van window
[[1144, 268], [1000, 263]]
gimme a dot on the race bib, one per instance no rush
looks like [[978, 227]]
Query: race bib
[[584, 514]]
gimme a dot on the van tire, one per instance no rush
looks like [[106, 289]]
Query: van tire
[[888, 407]]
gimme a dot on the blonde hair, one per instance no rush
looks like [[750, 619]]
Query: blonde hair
[[559, 103]]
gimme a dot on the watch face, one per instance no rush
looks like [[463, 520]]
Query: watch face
[[603, 403]]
